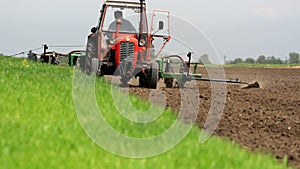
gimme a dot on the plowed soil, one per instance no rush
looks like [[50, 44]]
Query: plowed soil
[[265, 119]]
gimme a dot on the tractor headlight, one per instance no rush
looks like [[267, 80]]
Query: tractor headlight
[[112, 41], [142, 42]]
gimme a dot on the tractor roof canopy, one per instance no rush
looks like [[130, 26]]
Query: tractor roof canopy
[[125, 3], [131, 14]]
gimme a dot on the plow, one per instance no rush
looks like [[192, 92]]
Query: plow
[[122, 45]]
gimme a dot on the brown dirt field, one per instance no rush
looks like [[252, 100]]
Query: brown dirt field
[[296, 67], [265, 119]]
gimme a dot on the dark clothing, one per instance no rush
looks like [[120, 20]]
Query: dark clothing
[[126, 26], [32, 56]]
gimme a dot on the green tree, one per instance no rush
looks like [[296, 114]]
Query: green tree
[[294, 58], [204, 59], [274, 60], [238, 60], [279, 61], [250, 60], [229, 62], [261, 59]]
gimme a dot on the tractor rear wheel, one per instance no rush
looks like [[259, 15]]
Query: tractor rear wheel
[[153, 76], [91, 54], [95, 65]]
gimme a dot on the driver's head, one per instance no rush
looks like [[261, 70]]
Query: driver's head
[[118, 14]]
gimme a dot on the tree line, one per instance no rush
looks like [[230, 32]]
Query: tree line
[[294, 58]]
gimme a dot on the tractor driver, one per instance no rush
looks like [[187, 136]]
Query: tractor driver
[[126, 25]]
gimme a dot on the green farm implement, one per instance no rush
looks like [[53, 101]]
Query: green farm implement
[[56, 58], [175, 71]]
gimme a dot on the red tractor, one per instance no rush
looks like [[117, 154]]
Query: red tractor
[[122, 43]]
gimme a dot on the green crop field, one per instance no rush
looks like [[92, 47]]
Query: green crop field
[[39, 128]]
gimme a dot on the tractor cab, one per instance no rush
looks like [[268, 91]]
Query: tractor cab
[[123, 32], [127, 18]]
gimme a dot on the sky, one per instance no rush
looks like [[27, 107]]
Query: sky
[[235, 28]]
